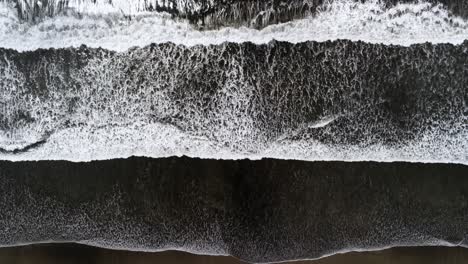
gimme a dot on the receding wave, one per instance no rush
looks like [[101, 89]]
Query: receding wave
[[102, 26], [339, 100], [258, 211]]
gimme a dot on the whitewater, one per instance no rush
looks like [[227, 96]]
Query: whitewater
[[338, 101], [393, 91], [123, 26]]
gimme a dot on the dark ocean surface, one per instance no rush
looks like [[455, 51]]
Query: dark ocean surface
[[258, 211], [238, 130], [339, 100]]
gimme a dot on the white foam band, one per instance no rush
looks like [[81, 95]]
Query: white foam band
[[158, 140], [102, 25], [106, 136]]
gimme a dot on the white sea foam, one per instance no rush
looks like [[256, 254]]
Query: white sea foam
[[117, 123], [159, 140], [124, 7], [106, 27]]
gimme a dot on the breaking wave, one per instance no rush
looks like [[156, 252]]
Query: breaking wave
[[339, 100], [103, 26]]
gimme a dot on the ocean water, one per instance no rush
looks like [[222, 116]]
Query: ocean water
[[103, 25], [257, 211], [264, 130]]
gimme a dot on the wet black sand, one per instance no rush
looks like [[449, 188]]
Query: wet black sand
[[78, 254]]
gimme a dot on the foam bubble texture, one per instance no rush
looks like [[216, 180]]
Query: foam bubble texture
[[338, 101], [374, 22], [205, 12], [258, 211]]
